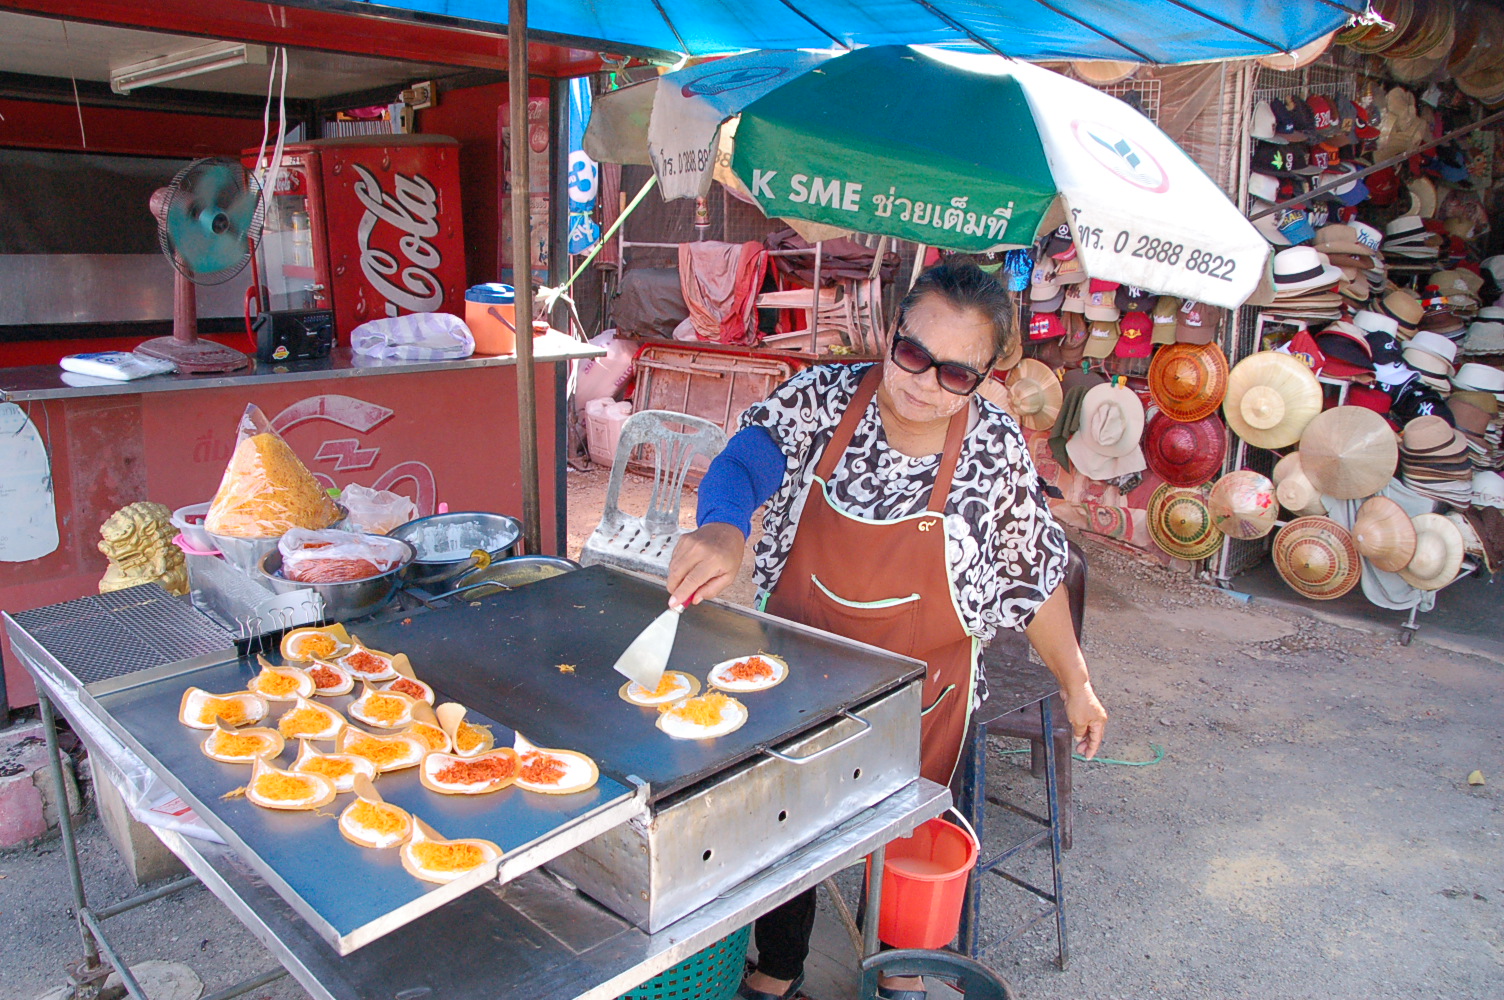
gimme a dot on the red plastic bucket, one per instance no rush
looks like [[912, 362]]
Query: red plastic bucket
[[924, 886]]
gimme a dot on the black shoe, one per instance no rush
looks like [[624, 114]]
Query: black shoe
[[745, 992]]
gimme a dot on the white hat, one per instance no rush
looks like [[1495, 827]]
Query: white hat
[[1481, 378], [1367, 235], [1438, 553], [1301, 268], [1484, 338], [1107, 444], [1373, 322], [1495, 266], [1491, 312], [1488, 489], [1434, 343], [1264, 187]]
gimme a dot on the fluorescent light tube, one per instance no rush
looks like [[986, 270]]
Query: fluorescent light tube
[[189, 62]]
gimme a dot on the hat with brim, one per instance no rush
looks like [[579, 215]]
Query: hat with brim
[[1483, 378], [1270, 399], [1185, 454], [1036, 394], [1188, 381], [1404, 307], [1488, 489], [1300, 268], [1243, 505], [1384, 534], [1293, 490], [1439, 549], [1101, 339], [1429, 363], [1106, 445], [1317, 558], [1349, 452], [1180, 523]]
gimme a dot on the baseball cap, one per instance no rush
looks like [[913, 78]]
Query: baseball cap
[[1051, 304], [1075, 299], [1073, 344], [1281, 161], [1101, 307], [1304, 347], [1101, 338], [1164, 315], [1196, 323], [1045, 326], [1284, 122], [1133, 299], [1134, 340], [1059, 241], [1324, 117]]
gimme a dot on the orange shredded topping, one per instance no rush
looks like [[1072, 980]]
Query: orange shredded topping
[[468, 737], [232, 710], [303, 722], [667, 685], [470, 772], [382, 753], [365, 662], [430, 736], [275, 684], [707, 710], [283, 787], [325, 678], [316, 645], [753, 668], [333, 768], [542, 769], [437, 857], [384, 708], [372, 817], [237, 745], [409, 687]]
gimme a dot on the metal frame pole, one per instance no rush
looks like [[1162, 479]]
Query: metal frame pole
[[522, 272], [65, 828]]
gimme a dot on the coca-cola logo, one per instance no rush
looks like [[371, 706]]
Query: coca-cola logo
[[413, 210]]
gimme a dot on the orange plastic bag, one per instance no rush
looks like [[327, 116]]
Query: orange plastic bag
[[266, 491]]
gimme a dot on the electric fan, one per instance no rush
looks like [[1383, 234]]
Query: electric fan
[[208, 221]]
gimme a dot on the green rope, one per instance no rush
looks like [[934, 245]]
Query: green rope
[[1159, 755]]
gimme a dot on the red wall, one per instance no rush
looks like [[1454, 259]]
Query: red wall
[[40, 125]]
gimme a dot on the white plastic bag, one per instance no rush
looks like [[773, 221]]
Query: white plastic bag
[[602, 378], [414, 337], [376, 511], [334, 556]]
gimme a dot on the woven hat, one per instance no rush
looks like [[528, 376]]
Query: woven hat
[[1188, 381], [1185, 454], [1293, 489], [1317, 558], [1484, 378], [1242, 505], [1384, 534], [1300, 268], [1439, 549], [1349, 452], [1484, 337], [1181, 525], [1270, 399], [1036, 394], [1403, 306], [1107, 444]]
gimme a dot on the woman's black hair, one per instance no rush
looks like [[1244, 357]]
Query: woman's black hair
[[966, 286]]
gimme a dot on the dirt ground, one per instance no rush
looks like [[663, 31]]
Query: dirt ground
[[1310, 831]]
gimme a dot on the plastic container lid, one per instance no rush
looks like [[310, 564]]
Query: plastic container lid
[[492, 292]]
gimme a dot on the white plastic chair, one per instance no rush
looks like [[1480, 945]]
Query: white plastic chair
[[644, 544]]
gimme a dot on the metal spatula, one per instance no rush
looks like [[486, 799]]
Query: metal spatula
[[644, 660]]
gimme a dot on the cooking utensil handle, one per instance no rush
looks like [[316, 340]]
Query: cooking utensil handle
[[866, 728]]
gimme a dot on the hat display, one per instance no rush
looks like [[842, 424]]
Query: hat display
[[1185, 454], [1180, 523], [1348, 452], [1270, 399], [1439, 549], [1107, 444], [1317, 558], [1036, 394], [1434, 461], [1384, 534], [1188, 381], [1243, 505], [1293, 490]]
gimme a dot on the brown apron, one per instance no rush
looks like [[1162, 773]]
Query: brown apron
[[887, 583]]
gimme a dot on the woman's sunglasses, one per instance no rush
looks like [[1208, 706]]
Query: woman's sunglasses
[[953, 376]]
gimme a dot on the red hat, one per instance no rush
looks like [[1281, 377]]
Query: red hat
[[1304, 347], [1044, 326], [1135, 340], [1369, 397], [1383, 186], [1185, 454], [1098, 285]]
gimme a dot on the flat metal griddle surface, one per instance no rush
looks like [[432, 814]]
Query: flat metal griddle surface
[[350, 894], [500, 656]]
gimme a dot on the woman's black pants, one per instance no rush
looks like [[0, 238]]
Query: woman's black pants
[[783, 937]]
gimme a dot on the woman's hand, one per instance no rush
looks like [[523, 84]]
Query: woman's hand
[[1087, 717], [704, 563]]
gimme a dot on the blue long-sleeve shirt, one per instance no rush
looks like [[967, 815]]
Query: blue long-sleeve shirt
[[742, 478]]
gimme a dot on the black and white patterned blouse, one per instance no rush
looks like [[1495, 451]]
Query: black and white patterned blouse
[[1005, 550]]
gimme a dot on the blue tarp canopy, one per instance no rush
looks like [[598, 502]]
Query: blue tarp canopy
[[1156, 31]]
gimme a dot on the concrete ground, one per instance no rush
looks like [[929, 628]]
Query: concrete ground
[[1310, 831]]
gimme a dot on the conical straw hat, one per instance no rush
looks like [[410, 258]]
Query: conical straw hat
[[1270, 399], [1036, 393], [1242, 505], [1384, 534], [1181, 525], [1349, 452], [1294, 490], [1438, 553], [1316, 557], [1103, 72]]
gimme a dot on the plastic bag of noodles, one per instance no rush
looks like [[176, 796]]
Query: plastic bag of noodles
[[266, 490]]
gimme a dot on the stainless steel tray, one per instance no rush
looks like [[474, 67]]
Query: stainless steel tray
[[349, 895]]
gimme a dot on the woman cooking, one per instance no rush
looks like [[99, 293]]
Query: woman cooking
[[903, 511]]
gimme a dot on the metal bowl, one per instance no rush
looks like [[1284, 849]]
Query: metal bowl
[[444, 542], [509, 574], [342, 601]]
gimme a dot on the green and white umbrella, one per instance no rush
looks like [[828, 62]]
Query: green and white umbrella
[[956, 150]]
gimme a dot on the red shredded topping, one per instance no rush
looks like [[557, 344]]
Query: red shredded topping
[[366, 663], [469, 772], [409, 687], [326, 678], [753, 668], [542, 769]]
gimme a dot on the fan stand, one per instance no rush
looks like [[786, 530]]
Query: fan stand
[[191, 355]]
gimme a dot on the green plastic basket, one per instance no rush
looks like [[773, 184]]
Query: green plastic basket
[[713, 974]]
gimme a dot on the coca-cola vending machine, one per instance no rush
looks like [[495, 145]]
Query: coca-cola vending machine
[[367, 227]]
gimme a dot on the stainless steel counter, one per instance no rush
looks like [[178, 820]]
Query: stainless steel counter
[[51, 382]]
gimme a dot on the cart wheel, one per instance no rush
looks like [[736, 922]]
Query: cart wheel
[[1405, 636]]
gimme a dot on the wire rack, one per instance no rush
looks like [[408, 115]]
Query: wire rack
[[1140, 94]]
